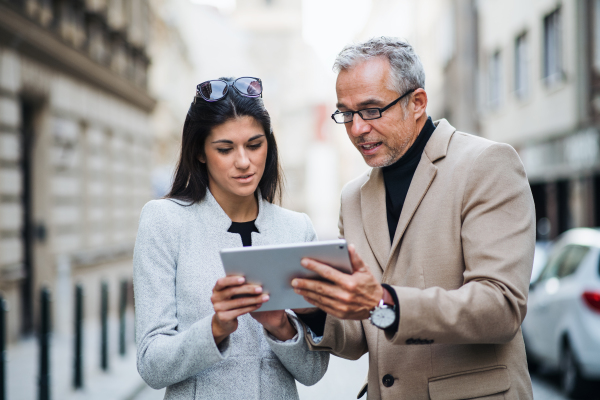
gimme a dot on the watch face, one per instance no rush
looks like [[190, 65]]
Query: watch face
[[383, 317]]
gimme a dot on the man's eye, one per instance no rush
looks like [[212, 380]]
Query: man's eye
[[223, 151], [371, 112]]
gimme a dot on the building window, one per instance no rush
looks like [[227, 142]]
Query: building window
[[553, 71], [596, 38], [495, 80], [521, 66]]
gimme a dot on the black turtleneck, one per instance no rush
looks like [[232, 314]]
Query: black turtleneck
[[397, 177]]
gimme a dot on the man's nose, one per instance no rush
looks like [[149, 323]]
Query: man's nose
[[358, 126]]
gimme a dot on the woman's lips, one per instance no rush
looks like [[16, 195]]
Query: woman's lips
[[244, 178], [369, 148]]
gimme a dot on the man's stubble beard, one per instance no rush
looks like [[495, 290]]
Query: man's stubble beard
[[393, 154]]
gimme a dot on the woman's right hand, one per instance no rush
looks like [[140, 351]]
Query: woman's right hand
[[227, 309]]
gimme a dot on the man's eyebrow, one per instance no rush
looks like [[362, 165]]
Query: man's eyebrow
[[369, 102], [363, 104]]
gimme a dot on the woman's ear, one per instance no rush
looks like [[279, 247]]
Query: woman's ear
[[202, 158]]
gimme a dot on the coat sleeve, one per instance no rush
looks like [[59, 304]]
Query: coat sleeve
[[345, 339], [498, 239], [307, 367], [166, 355]]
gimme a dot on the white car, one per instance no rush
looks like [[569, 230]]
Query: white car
[[562, 326]]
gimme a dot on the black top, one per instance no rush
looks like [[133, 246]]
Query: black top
[[397, 177], [245, 230]]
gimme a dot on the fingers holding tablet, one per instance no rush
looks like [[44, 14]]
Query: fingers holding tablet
[[231, 298]]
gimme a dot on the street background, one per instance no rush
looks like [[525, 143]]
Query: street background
[[93, 95]]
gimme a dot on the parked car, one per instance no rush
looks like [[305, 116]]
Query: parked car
[[542, 249], [562, 326]]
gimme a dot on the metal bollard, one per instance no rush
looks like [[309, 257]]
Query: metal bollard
[[44, 337], [104, 327], [122, 309], [78, 350], [2, 348]]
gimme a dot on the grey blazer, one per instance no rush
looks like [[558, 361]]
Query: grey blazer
[[176, 264]]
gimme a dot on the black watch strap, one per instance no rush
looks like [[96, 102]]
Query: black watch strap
[[394, 327]]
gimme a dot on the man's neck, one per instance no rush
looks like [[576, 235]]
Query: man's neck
[[420, 123]]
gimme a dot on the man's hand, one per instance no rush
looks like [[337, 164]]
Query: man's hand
[[345, 296]]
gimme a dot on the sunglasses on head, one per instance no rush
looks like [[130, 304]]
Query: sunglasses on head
[[217, 89]]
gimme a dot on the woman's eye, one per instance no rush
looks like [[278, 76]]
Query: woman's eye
[[255, 146], [223, 151]]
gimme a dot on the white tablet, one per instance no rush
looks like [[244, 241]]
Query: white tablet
[[275, 266]]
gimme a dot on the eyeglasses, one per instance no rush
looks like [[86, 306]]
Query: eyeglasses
[[343, 117], [215, 90]]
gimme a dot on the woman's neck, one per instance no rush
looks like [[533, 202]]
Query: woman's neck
[[237, 208]]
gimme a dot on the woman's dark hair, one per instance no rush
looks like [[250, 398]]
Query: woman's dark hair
[[191, 176]]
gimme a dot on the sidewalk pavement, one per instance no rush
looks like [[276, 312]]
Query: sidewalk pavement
[[342, 381], [120, 382]]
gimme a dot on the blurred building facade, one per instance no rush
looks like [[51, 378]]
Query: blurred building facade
[[523, 73], [539, 68], [75, 150]]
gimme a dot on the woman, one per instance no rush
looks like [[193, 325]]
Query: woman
[[195, 334]]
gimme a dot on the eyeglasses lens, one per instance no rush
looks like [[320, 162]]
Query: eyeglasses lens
[[213, 90], [249, 86], [370, 113], [343, 118]]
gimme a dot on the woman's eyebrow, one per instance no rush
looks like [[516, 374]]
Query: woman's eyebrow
[[256, 137], [223, 141]]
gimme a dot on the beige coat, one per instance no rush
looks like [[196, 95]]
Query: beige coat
[[460, 263]]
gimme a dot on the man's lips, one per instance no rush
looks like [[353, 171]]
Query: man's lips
[[370, 147]]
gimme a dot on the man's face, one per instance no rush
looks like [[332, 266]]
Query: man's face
[[380, 141]]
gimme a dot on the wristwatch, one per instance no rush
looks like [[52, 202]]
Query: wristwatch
[[383, 316]]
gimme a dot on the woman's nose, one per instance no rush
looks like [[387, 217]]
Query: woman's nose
[[242, 161]]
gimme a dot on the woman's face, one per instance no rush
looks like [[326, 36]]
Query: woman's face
[[235, 154]]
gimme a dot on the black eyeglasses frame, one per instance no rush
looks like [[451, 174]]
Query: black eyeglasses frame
[[227, 84], [359, 112]]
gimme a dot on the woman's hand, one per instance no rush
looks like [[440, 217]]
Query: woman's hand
[[277, 323], [227, 309]]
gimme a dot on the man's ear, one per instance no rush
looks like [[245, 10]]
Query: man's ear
[[419, 100]]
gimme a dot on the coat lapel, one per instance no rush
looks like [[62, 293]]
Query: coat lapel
[[436, 148], [419, 186], [374, 216]]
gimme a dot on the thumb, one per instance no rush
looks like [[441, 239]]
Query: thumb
[[358, 264]]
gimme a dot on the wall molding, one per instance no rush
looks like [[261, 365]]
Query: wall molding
[[25, 36]]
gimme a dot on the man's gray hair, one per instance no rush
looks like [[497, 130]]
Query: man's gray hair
[[406, 69]]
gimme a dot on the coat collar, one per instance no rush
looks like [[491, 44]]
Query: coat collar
[[373, 205], [221, 221]]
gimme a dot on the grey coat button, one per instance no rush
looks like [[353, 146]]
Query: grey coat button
[[387, 380]]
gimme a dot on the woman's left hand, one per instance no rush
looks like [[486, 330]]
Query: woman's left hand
[[277, 323]]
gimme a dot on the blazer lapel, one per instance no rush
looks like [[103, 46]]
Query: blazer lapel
[[419, 185], [374, 216], [436, 148]]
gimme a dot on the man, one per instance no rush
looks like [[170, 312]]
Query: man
[[444, 222]]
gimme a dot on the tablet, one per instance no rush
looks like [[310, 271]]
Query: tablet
[[275, 266]]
